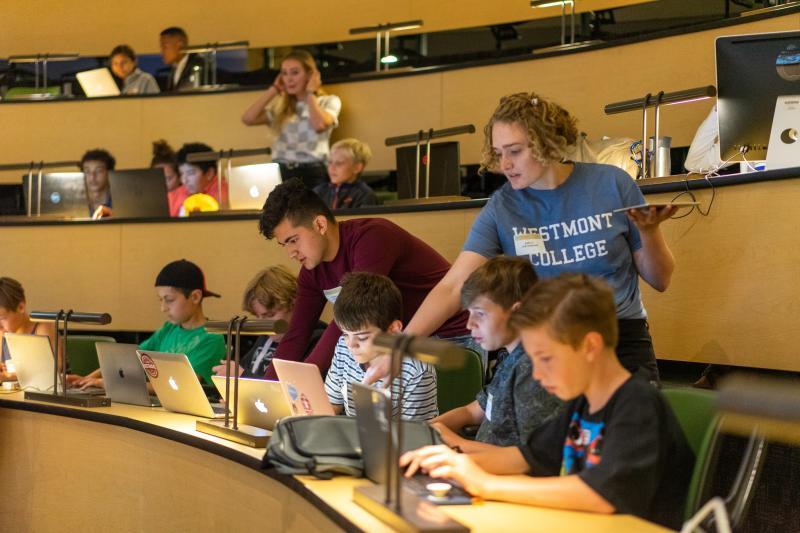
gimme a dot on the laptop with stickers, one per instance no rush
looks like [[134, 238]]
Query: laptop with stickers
[[302, 387], [176, 385], [261, 402], [123, 376]]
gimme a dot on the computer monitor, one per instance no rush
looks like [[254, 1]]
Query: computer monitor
[[63, 195], [138, 193], [444, 165], [752, 72], [12, 199]]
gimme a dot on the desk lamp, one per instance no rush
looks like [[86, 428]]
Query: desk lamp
[[427, 136], [37, 60], [537, 4], [660, 99], [229, 428], [63, 318], [210, 67], [403, 509], [381, 31]]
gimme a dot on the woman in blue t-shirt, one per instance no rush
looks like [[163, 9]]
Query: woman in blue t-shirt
[[560, 215]]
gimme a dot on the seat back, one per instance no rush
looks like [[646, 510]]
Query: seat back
[[82, 353], [457, 387], [694, 409]]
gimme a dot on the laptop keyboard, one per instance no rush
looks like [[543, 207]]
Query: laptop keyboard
[[90, 391], [218, 409]]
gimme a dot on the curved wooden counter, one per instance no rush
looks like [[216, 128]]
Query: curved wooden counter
[[129, 468]]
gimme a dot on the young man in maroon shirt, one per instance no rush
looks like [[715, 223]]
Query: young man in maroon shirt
[[301, 222]]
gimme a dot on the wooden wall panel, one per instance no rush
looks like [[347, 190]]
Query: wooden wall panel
[[94, 27], [376, 109]]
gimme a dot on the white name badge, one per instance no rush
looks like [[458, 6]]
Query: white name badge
[[488, 412], [529, 244], [332, 294]]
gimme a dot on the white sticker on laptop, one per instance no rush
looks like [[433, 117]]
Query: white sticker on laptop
[[529, 244], [332, 294]]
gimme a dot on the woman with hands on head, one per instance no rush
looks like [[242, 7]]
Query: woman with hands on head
[[301, 117]]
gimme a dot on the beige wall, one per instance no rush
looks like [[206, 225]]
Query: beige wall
[[730, 301], [94, 27], [376, 109]]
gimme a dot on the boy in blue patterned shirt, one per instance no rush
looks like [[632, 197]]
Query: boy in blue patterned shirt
[[616, 447], [513, 404], [369, 304]]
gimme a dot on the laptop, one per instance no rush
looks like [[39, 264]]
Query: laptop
[[32, 357], [249, 185], [784, 140], [303, 388], [261, 402], [123, 376], [98, 82], [63, 195], [176, 385], [138, 193], [373, 410]]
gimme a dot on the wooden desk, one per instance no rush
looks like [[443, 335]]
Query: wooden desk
[[129, 468]]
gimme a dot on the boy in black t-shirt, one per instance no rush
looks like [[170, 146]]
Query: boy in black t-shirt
[[617, 446]]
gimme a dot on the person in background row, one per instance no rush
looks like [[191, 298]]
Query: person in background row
[[181, 289], [301, 116], [270, 295], [95, 165], [15, 318], [185, 68], [345, 164], [164, 157], [197, 178], [134, 80]]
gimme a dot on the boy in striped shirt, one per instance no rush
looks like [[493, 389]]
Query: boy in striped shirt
[[369, 304]]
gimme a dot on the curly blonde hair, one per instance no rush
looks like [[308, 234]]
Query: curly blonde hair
[[285, 104], [274, 288], [550, 127], [358, 150]]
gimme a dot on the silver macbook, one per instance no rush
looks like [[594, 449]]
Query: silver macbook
[[261, 402], [32, 357], [176, 385], [123, 376], [97, 82], [249, 185]]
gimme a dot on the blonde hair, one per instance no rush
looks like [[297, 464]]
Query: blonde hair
[[284, 107], [274, 288], [549, 127], [358, 150]]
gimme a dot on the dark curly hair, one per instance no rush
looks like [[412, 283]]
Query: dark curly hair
[[98, 154], [293, 200], [193, 148]]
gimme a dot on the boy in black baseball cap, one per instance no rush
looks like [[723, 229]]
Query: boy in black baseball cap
[[181, 287]]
